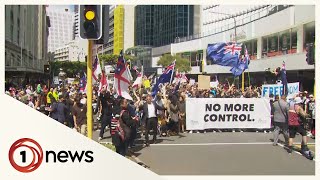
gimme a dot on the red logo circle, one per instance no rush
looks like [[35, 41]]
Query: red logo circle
[[34, 164]]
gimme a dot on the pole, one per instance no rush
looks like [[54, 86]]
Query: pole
[[89, 89]]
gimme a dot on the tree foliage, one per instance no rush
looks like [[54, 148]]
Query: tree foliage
[[111, 59], [182, 64], [70, 68]]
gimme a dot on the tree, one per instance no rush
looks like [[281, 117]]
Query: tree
[[111, 59], [182, 64], [108, 59], [70, 68]]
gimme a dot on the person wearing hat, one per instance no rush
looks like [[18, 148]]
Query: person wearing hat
[[295, 115]]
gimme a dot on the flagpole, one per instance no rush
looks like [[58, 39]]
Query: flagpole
[[173, 71], [89, 90]]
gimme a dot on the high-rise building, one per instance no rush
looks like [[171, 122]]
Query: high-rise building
[[76, 22], [121, 30], [61, 31], [75, 50], [159, 25], [26, 34]]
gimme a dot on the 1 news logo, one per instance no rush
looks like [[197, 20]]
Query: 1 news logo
[[26, 155]]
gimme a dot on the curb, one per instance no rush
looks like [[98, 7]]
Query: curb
[[133, 158]]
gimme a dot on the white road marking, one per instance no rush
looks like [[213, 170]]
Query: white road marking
[[212, 144]]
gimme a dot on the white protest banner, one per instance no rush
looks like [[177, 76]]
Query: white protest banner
[[55, 80], [276, 89], [214, 84], [70, 80], [224, 113], [192, 81]]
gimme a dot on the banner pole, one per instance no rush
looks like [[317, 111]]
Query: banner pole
[[89, 89]]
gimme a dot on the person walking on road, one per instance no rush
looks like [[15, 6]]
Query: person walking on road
[[79, 112], [280, 117], [150, 117], [296, 113], [105, 102]]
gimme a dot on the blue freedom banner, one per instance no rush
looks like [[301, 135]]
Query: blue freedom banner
[[277, 89]]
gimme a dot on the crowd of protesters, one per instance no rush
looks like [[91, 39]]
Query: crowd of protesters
[[163, 114]]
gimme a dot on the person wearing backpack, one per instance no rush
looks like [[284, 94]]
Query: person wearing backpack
[[280, 119], [295, 115]]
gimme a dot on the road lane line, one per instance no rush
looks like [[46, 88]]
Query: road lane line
[[282, 145], [212, 144]]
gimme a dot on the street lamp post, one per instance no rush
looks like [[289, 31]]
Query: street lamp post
[[235, 39]]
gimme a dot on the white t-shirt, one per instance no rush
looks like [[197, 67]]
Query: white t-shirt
[[151, 111], [83, 101]]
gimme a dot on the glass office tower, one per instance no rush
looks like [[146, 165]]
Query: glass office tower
[[159, 25]]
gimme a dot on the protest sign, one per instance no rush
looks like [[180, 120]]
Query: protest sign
[[214, 84], [277, 89], [192, 81], [55, 80], [203, 82], [70, 80], [224, 113]]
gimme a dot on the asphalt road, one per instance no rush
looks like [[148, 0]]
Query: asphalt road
[[226, 153]]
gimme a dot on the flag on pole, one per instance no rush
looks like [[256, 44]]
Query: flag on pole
[[83, 83], [180, 77], [165, 77], [103, 82], [138, 81], [96, 70], [242, 65], [283, 76], [122, 79], [224, 54]]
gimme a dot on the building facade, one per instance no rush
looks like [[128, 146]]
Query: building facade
[[76, 29], [75, 50], [62, 28], [121, 30], [159, 25], [272, 34], [108, 47], [26, 42]]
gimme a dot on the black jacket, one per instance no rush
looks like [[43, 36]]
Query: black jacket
[[145, 110]]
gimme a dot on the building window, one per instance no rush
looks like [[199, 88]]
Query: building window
[[7, 59], [309, 33], [273, 45], [12, 23], [294, 40], [284, 42], [252, 48], [264, 47], [18, 60]]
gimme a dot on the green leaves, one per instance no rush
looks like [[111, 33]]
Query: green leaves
[[183, 65], [70, 68]]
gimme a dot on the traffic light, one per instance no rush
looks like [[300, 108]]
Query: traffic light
[[90, 22], [310, 54], [46, 69], [105, 25]]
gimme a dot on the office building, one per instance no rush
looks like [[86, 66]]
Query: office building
[[160, 25], [26, 42], [62, 26]]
